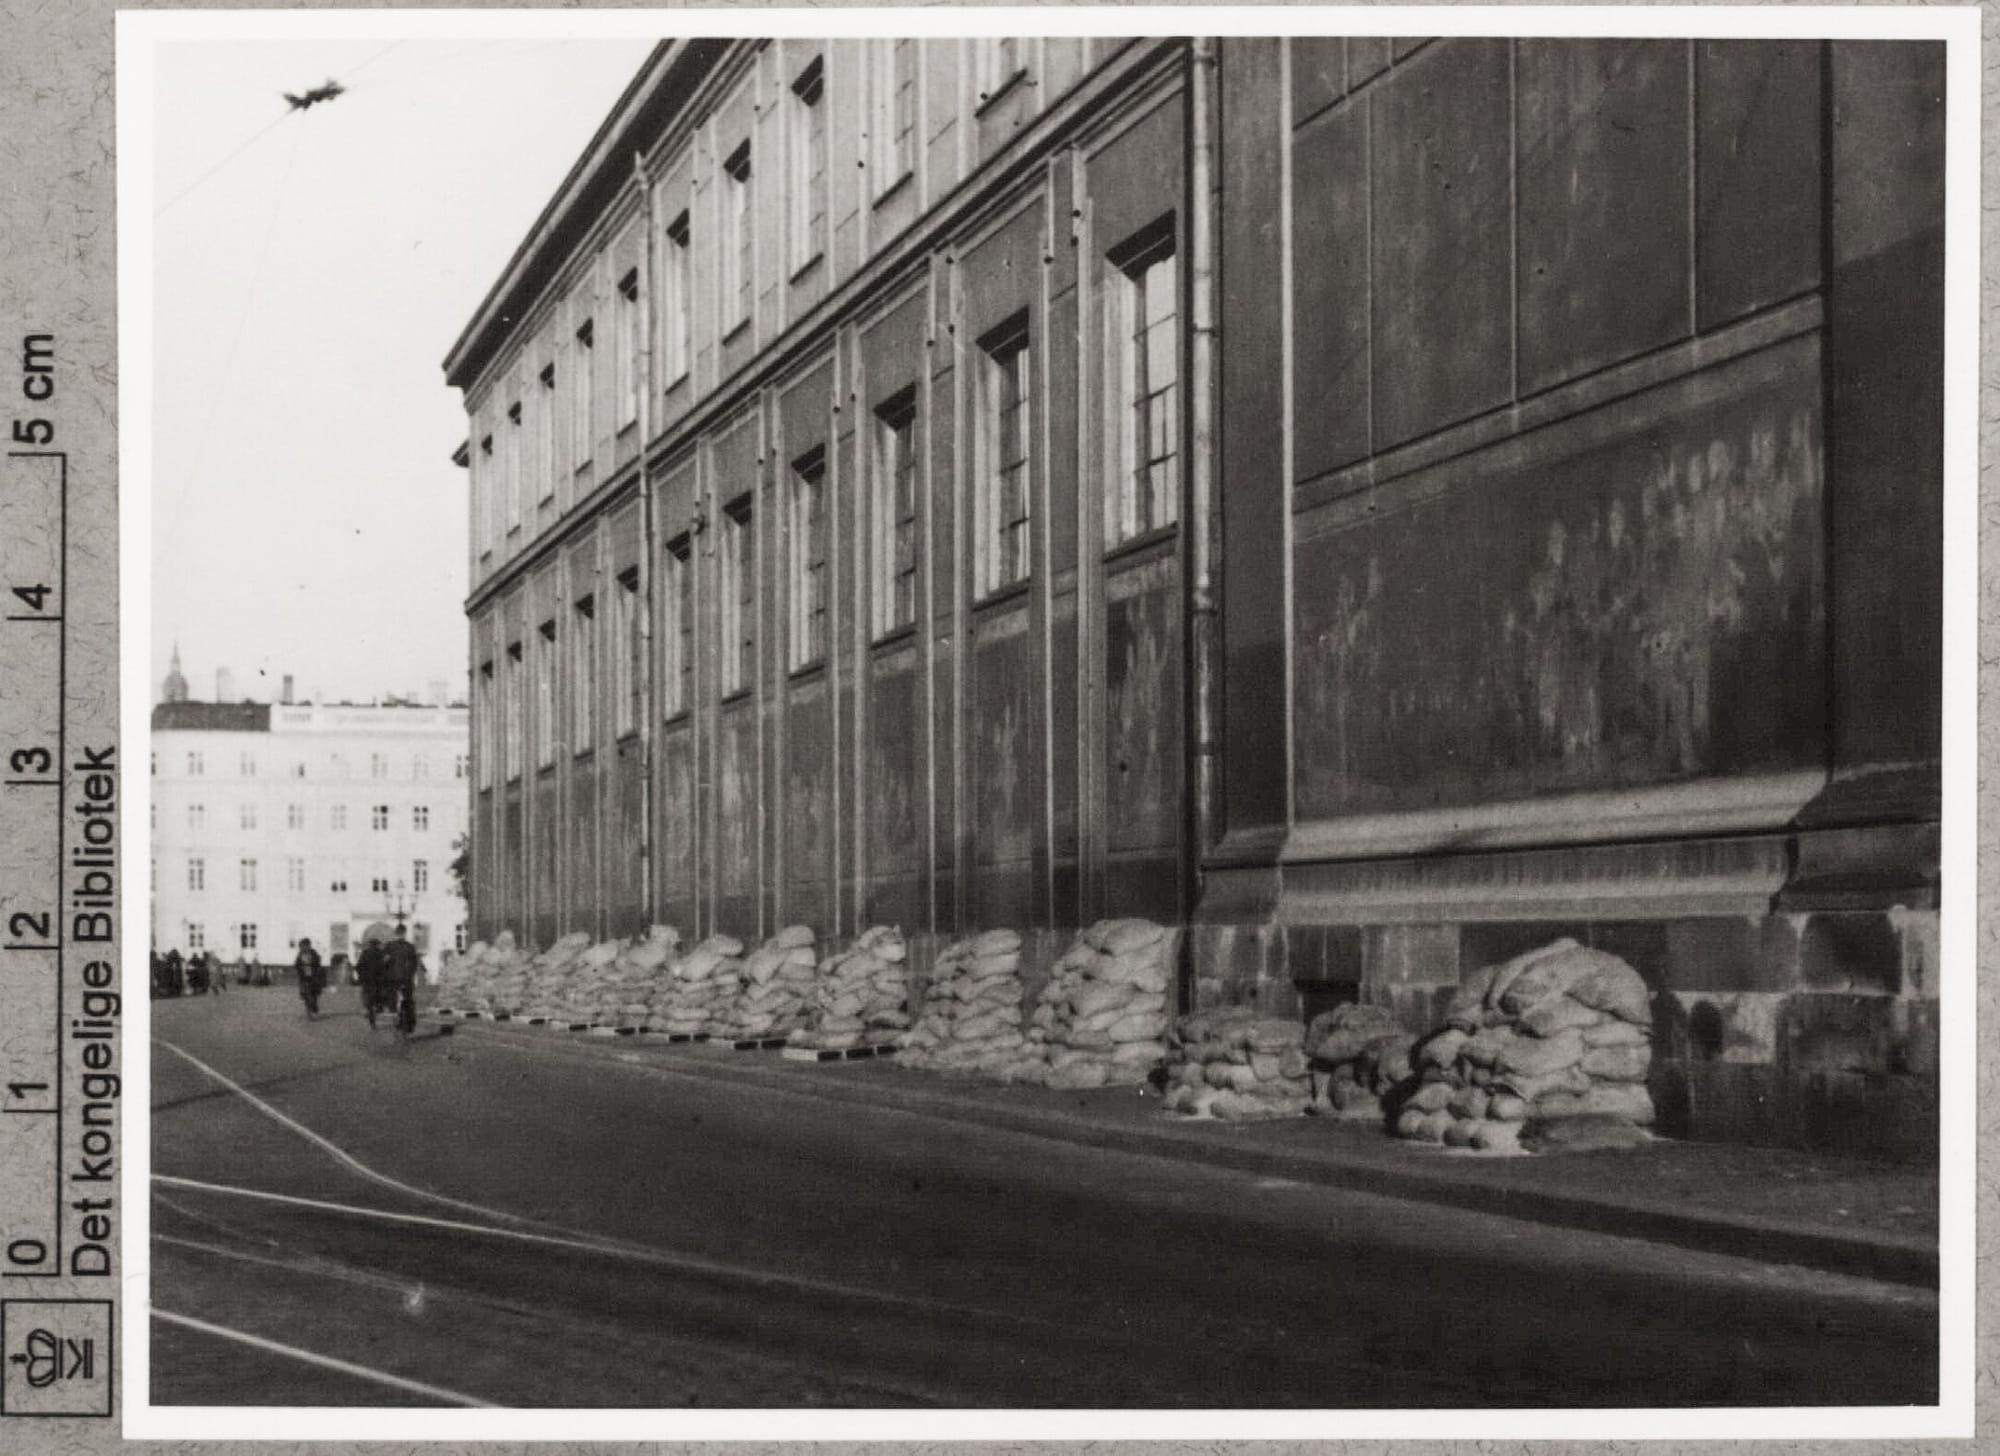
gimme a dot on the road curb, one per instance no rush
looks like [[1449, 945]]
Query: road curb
[[1891, 1258]]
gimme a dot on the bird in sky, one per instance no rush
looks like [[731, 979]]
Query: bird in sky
[[323, 92]]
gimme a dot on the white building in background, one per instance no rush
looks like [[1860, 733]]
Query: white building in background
[[276, 821]]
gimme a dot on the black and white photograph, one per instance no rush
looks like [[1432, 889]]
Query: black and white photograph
[[1170, 735]]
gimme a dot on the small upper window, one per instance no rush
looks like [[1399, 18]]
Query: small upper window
[[738, 240], [808, 149]]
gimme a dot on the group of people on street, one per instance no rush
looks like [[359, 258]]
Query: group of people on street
[[388, 971], [199, 974]]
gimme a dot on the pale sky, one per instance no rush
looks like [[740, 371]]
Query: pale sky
[[307, 516]]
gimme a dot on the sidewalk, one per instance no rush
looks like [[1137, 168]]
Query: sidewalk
[[1777, 1206]]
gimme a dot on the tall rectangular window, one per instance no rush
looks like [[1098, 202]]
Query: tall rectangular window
[[378, 766], [1142, 436], [895, 513], [248, 764], [737, 591], [677, 628], [488, 477], [583, 675], [676, 304], [580, 434], [295, 873], [545, 437], [420, 818], [629, 663], [246, 874], [197, 816], [420, 875], [197, 873], [511, 691], [337, 819], [295, 816], [459, 763], [516, 481], [545, 695], [246, 937], [378, 817], [807, 208], [195, 766], [807, 550], [488, 719], [738, 239], [627, 362], [1003, 430], [246, 816], [892, 121]]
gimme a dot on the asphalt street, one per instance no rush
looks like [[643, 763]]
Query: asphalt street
[[343, 1218]]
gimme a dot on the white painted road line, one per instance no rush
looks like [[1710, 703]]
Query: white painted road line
[[325, 1362]]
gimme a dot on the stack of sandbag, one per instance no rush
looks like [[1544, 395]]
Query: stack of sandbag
[[491, 978], [862, 997], [700, 989], [1239, 1066], [634, 979], [1360, 1055], [1102, 1016], [971, 1020], [776, 987], [1550, 1049]]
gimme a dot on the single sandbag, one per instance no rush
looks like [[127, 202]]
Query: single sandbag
[[1629, 1100], [1616, 988], [1582, 1134], [1506, 1107], [1548, 978], [1531, 1057], [1569, 1079], [1497, 1137], [1559, 1014], [1431, 1097], [1613, 1032], [1618, 1064]]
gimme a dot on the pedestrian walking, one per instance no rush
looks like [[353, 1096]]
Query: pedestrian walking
[[311, 974], [372, 969], [174, 971]]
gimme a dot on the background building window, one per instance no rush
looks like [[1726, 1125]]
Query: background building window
[[420, 767], [197, 816], [808, 559], [738, 238], [420, 818], [298, 768], [545, 695], [893, 122], [458, 937], [195, 934], [677, 627], [1004, 428], [378, 766], [246, 816], [378, 817], [737, 591], [580, 433], [808, 191], [1143, 438], [629, 661], [295, 816], [459, 765], [246, 938], [895, 516], [246, 874], [583, 675], [676, 313], [194, 765], [295, 873], [379, 885], [340, 816], [420, 876], [197, 873], [248, 764], [627, 361]]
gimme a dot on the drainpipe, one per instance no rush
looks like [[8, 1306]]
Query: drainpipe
[[648, 891], [1205, 662]]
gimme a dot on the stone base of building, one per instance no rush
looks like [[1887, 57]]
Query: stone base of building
[[1812, 1030]]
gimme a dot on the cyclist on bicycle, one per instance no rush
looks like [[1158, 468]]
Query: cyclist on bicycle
[[403, 969]]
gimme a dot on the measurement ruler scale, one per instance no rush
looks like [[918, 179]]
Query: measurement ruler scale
[[59, 981]]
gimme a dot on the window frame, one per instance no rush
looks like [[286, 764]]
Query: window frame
[[677, 627], [736, 596], [677, 301], [582, 403], [543, 722], [545, 436], [806, 202], [1136, 502], [625, 363], [583, 675], [896, 462], [628, 668], [892, 118], [738, 241], [807, 561], [1004, 481]]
